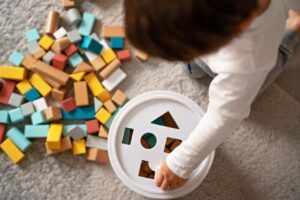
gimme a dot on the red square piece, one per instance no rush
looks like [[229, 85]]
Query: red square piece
[[124, 55], [71, 49], [59, 61], [6, 91], [2, 132], [92, 126], [68, 104]]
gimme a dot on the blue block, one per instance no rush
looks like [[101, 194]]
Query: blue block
[[91, 45], [32, 35], [87, 24], [36, 131], [19, 139], [38, 118], [79, 113], [32, 94], [16, 115], [75, 59], [117, 43], [4, 117], [16, 58], [111, 119], [68, 128]]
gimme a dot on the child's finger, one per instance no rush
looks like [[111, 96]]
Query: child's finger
[[165, 184], [159, 179]]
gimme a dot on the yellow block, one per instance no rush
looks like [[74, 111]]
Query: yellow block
[[108, 55], [54, 136], [93, 83], [12, 151], [12, 73], [24, 86], [42, 86], [104, 95], [103, 115], [77, 76], [79, 147], [46, 42]]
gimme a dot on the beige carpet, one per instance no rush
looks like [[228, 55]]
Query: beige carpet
[[260, 161]]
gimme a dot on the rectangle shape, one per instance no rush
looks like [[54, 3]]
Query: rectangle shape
[[81, 93], [36, 131], [12, 151], [7, 89], [113, 31], [87, 24], [12, 73], [79, 113], [42, 86], [54, 136], [96, 142]]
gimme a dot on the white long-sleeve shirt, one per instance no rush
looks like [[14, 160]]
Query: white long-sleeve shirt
[[242, 67]]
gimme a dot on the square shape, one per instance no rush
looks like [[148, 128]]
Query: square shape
[[103, 115], [79, 147], [68, 104], [16, 115], [40, 104], [4, 117], [38, 118], [74, 36], [28, 62], [119, 98], [47, 58], [75, 60], [61, 32], [76, 133], [16, 58], [108, 55], [27, 109], [15, 100], [53, 113], [32, 35], [117, 42], [59, 61], [32, 94], [33, 47], [124, 55], [92, 126], [24, 86], [110, 106], [70, 50], [57, 94], [46, 42]]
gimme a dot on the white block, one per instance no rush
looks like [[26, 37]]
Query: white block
[[27, 109], [114, 79], [96, 142], [15, 100], [47, 58], [97, 104], [40, 104], [90, 56], [61, 32], [105, 45]]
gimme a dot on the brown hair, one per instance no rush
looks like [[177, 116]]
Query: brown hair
[[184, 29]]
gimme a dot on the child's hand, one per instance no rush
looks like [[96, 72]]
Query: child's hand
[[166, 179]]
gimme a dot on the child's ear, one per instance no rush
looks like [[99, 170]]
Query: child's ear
[[246, 23]]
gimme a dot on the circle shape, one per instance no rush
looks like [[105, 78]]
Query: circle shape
[[148, 140]]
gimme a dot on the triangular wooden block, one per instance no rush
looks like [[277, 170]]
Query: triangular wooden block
[[77, 76], [83, 67], [97, 104], [103, 132]]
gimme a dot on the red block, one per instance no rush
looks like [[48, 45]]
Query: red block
[[6, 91], [68, 104], [2, 132], [70, 50], [59, 61], [124, 55], [92, 126]]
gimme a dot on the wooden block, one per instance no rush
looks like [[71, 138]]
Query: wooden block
[[16, 58], [92, 154], [54, 136], [103, 132], [110, 106], [104, 95], [32, 35], [119, 98], [103, 115], [102, 157], [39, 54], [141, 55], [12, 73], [61, 32], [74, 36], [110, 68], [69, 4], [46, 42], [98, 63], [83, 67], [70, 50], [113, 31], [77, 76], [36, 131], [108, 55], [24, 86], [40, 104], [87, 24], [114, 79], [68, 104], [18, 139], [55, 47], [58, 95], [4, 117], [73, 16], [50, 72], [15, 100], [66, 145], [47, 58], [6, 91], [27, 109], [53, 83], [32, 94], [12, 151], [96, 142], [16, 115], [93, 83], [53, 113], [2, 132], [59, 61], [81, 93], [124, 55], [52, 22], [92, 126], [28, 62], [38, 118], [76, 133], [63, 43], [79, 147], [42, 86], [97, 104]]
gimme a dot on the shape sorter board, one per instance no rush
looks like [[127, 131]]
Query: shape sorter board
[[138, 118]]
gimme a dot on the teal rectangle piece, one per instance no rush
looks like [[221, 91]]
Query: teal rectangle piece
[[18, 139], [36, 131], [68, 128], [79, 113], [87, 24]]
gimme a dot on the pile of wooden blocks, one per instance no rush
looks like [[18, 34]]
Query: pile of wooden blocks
[[67, 75]]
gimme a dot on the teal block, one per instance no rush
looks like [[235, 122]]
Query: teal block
[[4, 117], [32, 94], [87, 24], [38, 118], [19, 139], [159, 121], [151, 139], [16, 115], [68, 128], [79, 113], [117, 43], [75, 59], [111, 119], [32, 35], [127, 136], [16, 58], [91, 45], [36, 131]]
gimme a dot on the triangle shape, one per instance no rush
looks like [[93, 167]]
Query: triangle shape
[[97, 104], [83, 67], [166, 120], [77, 76]]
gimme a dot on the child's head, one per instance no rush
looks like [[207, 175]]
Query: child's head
[[185, 29]]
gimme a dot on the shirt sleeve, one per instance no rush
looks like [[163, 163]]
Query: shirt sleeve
[[230, 98]]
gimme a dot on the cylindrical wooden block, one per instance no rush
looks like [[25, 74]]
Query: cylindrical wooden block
[[110, 68], [52, 22], [73, 16]]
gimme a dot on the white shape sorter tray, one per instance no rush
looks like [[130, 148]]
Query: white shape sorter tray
[[138, 114]]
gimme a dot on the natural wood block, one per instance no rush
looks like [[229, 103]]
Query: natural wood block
[[28, 62], [66, 145], [69, 4], [92, 154], [141, 55], [98, 63], [110, 106], [110, 68], [39, 54], [52, 22], [119, 97], [113, 31], [81, 93], [53, 113], [103, 132], [83, 67]]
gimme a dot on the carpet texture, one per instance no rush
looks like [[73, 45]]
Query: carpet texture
[[260, 161]]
